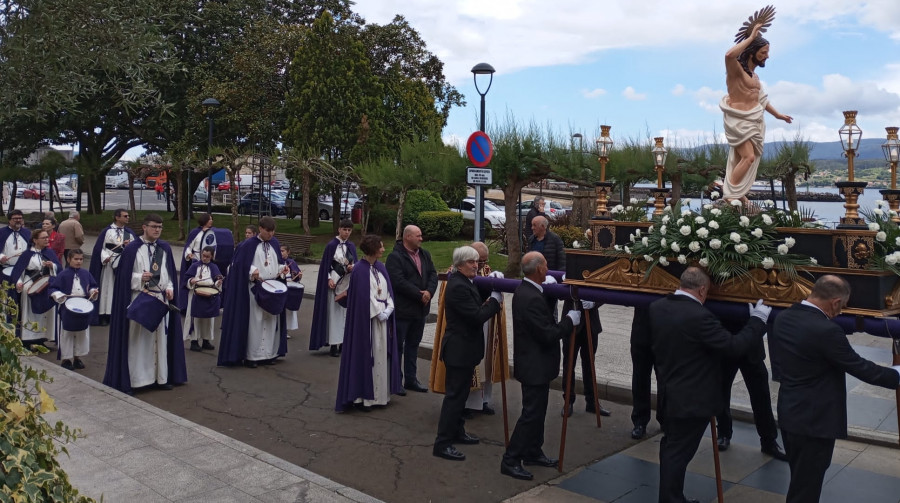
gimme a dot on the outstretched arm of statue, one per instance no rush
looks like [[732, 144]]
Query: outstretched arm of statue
[[778, 115], [734, 52]]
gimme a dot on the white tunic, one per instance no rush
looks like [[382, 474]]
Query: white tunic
[[379, 300], [148, 351], [14, 246], [46, 323], [110, 259], [337, 314], [196, 246], [263, 329], [73, 343], [204, 328]]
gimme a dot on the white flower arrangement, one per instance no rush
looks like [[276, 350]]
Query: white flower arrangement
[[714, 195], [874, 226], [881, 237], [757, 233], [685, 230], [702, 233], [699, 220], [742, 248], [694, 246], [715, 244], [682, 259], [782, 249], [745, 222], [675, 248], [713, 225], [766, 219], [768, 263], [734, 236], [736, 202]]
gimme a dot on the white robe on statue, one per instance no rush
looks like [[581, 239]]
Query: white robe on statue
[[263, 330], [742, 126], [379, 300], [110, 259], [147, 351], [46, 323]]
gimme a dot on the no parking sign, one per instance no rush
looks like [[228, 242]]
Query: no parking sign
[[479, 149]]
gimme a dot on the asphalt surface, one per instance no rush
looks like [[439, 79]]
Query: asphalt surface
[[288, 410]]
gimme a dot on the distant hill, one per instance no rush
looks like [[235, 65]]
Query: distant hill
[[832, 150]]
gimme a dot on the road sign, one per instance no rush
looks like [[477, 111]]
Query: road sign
[[479, 149], [479, 176]]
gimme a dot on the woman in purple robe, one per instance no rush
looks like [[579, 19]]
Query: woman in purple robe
[[370, 364]]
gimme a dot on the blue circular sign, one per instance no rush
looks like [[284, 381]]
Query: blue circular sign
[[479, 149]]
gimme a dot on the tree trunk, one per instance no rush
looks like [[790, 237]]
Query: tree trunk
[[399, 229], [96, 184], [789, 182], [676, 179], [307, 203], [513, 235], [232, 189]]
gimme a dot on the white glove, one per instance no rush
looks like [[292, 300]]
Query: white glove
[[388, 311], [383, 316], [564, 276], [575, 316], [59, 297], [550, 280], [588, 304], [760, 310], [496, 274], [897, 368], [497, 296]]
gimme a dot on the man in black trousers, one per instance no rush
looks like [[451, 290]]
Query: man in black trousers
[[688, 342], [642, 365], [462, 348], [536, 336], [814, 356], [587, 359], [414, 281]]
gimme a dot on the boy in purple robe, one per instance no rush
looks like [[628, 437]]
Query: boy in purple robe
[[329, 316], [293, 279], [73, 282], [202, 281]]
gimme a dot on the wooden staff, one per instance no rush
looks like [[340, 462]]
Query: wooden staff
[[590, 343], [896, 351], [504, 368], [569, 370], [715, 441]]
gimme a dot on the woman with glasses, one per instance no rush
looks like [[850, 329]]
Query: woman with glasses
[[32, 275]]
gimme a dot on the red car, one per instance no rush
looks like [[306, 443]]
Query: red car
[[226, 185], [34, 191]]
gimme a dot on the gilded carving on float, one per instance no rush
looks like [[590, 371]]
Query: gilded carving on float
[[777, 287], [859, 249], [628, 274], [893, 300]]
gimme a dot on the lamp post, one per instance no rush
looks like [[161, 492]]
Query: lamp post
[[891, 150], [211, 104], [851, 135], [604, 144], [659, 160], [481, 69]]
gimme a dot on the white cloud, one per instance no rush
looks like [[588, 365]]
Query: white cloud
[[630, 94], [678, 90], [593, 93]]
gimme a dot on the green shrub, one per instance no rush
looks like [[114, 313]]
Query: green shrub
[[418, 201], [440, 225], [382, 219], [569, 234], [29, 470]]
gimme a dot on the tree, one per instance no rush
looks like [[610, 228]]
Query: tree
[[790, 160]]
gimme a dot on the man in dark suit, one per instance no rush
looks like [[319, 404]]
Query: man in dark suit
[[642, 365], [536, 336], [815, 355], [414, 280], [587, 358], [462, 348], [688, 342]]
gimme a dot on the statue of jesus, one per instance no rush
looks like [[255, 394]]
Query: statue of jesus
[[743, 107]]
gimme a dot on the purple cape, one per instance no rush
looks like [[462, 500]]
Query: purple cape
[[96, 267], [117, 373], [236, 314], [221, 240], [355, 380], [40, 302], [63, 281], [318, 333], [201, 307]]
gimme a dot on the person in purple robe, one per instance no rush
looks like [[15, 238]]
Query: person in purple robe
[[14, 240], [36, 266], [251, 335], [370, 362], [293, 282], [202, 282], [329, 316], [139, 357], [198, 239], [73, 282], [105, 260]]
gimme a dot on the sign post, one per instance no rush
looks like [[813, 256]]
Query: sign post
[[479, 149]]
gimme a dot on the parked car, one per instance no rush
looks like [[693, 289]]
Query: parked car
[[65, 194], [226, 185], [494, 216], [281, 184], [137, 184], [20, 190], [35, 191], [200, 195], [251, 203], [553, 209], [326, 205]]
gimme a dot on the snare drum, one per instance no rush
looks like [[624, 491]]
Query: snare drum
[[294, 296], [270, 295], [7, 271], [76, 314], [341, 287], [39, 285], [147, 310], [206, 291]]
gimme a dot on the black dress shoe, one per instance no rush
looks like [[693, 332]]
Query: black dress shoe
[[402, 392], [543, 460], [638, 432], [415, 386], [589, 408], [468, 413], [166, 386], [450, 453], [774, 450], [206, 345], [334, 351], [270, 361], [362, 408], [66, 364], [195, 346], [250, 364], [78, 364], [566, 411], [724, 443], [487, 409], [515, 471], [467, 439]]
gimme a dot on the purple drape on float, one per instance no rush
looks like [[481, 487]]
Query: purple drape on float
[[880, 327]]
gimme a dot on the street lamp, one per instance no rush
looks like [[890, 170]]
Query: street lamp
[[891, 150], [210, 104], [851, 135], [659, 160], [604, 145], [481, 69]]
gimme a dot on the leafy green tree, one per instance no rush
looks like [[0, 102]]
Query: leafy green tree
[[790, 161]]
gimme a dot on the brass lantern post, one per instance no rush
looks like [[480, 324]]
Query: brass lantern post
[[851, 135], [660, 192], [604, 145], [891, 150]]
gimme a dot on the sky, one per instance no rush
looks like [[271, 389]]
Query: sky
[[656, 68]]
